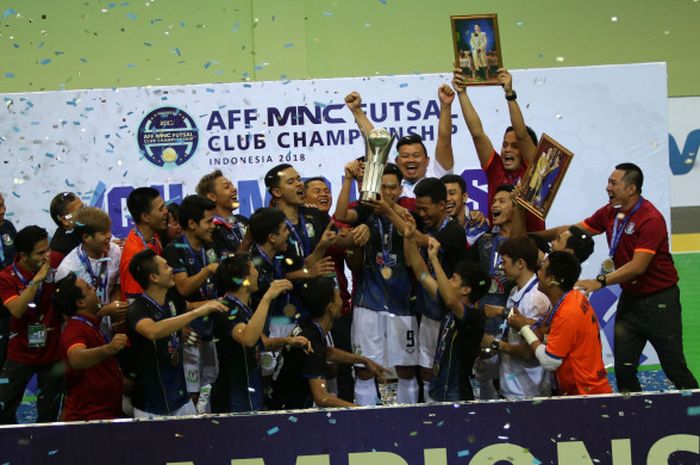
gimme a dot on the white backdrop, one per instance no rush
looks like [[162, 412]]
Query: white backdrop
[[87, 141]]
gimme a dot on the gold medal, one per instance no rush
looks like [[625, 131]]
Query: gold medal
[[608, 265], [289, 310], [386, 272]]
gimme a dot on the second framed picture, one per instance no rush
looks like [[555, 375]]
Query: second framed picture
[[477, 48]]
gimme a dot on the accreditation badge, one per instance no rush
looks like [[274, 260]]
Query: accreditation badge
[[36, 335]]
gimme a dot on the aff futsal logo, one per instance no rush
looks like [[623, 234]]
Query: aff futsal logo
[[168, 137]]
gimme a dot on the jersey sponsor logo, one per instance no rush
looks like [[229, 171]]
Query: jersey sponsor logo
[[168, 137], [7, 240], [50, 276], [310, 231]]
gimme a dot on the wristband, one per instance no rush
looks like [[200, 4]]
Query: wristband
[[512, 96], [528, 334]]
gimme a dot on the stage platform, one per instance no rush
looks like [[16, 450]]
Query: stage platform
[[649, 428]]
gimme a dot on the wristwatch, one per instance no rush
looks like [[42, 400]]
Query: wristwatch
[[602, 279], [495, 345], [512, 96]]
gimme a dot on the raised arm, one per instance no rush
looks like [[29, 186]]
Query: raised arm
[[248, 334], [354, 101], [443, 148], [353, 171], [153, 330], [527, 147], [415, 260], [482, 143]]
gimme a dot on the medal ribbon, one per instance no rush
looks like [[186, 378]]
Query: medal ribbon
[[385, 240], [156, 243], [545, 321], [277, 266], [516, 303], [200, 262], [100, 280], [25, 282], [618, 228], [92, 325], [302, 240]]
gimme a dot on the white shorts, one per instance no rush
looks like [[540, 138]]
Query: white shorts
[[268, 359], [428, 337], [185, 410], [385, 338], [200, 365]]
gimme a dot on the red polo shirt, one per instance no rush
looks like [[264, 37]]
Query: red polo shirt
[[94, 393], [133, 245], [645, 232], [18, 349], [497, 175]]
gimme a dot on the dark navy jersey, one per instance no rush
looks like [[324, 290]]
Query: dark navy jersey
[[228, 234], [238, 388], [290, 385], [453, 249], [384, 250], [184, 259], [157, 365], [269, 269], [458, 347], [7, 243]]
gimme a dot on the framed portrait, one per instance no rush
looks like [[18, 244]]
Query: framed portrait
[[539, 186], [477, 48]]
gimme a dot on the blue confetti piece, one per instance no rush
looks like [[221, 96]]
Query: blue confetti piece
[[327, 13], [463, 453], [383, 2], [288, 45], [15, 45], [147, 44], [440, 423], [536, 461], [8, 12], [53, 452], [41, 45], [84, 60], [98, 194], [177, 51], [207, 65], [331, 421], [292, 418], [210, 90], [236, 27], [4, 380], [72, 103], [15, 194], [45, 61], [273, 430], [131, 16], [402, 85], [685, 393], [9, 75], [131, 65], [692, 411], [49, 155], [58, 53]]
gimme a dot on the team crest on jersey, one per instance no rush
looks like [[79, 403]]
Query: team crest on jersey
[[192, 375], [190, 261], [50, 276], [310, 232], [629, 229], [173, 310], [211, 256], [7, 240]]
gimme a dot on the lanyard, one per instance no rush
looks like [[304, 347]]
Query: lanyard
[[442, 226], [2, 253], [200, 260], [246, 309], [92, 325], [300, 240], [548, 319], [25, 282], [385, 240], [100, 280], [276, 266], [156, 243], [320, 330], [618, 228], [495, 259], [163, 309], [527, 289]]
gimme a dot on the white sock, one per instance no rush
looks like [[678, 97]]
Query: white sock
[[426, 392], [365, 392], [407, 391]]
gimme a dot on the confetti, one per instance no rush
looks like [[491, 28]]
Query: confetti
[[45, 61], [463, 453], [9, 74], [692, 411], [273, 430], [293, 419]]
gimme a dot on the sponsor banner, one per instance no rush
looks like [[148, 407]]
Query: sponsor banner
[[599, 429], [103, 143], [683, 146]]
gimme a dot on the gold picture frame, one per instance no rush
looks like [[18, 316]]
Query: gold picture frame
[[477, 48]]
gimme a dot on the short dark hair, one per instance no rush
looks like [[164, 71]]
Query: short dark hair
[[174, 209], [433, 188], [410, 139], [206, 184], [263, 222], [314, 179], [581, 242], [520, 248], [391, 168], [316, 294], [232, 272], [142, 266], [140, 201], [59, 205], [67, 294], [28, 237], [541, 243], [505, 188], [193, 208], [529, 130], [565, 268], [454, 179], [474, 276], [272, 178], [633, 175]]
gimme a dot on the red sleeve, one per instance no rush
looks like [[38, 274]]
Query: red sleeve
[[598, 222], [652, 233], [562, 335], [127, 282], [8, 287], [73, 334]]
